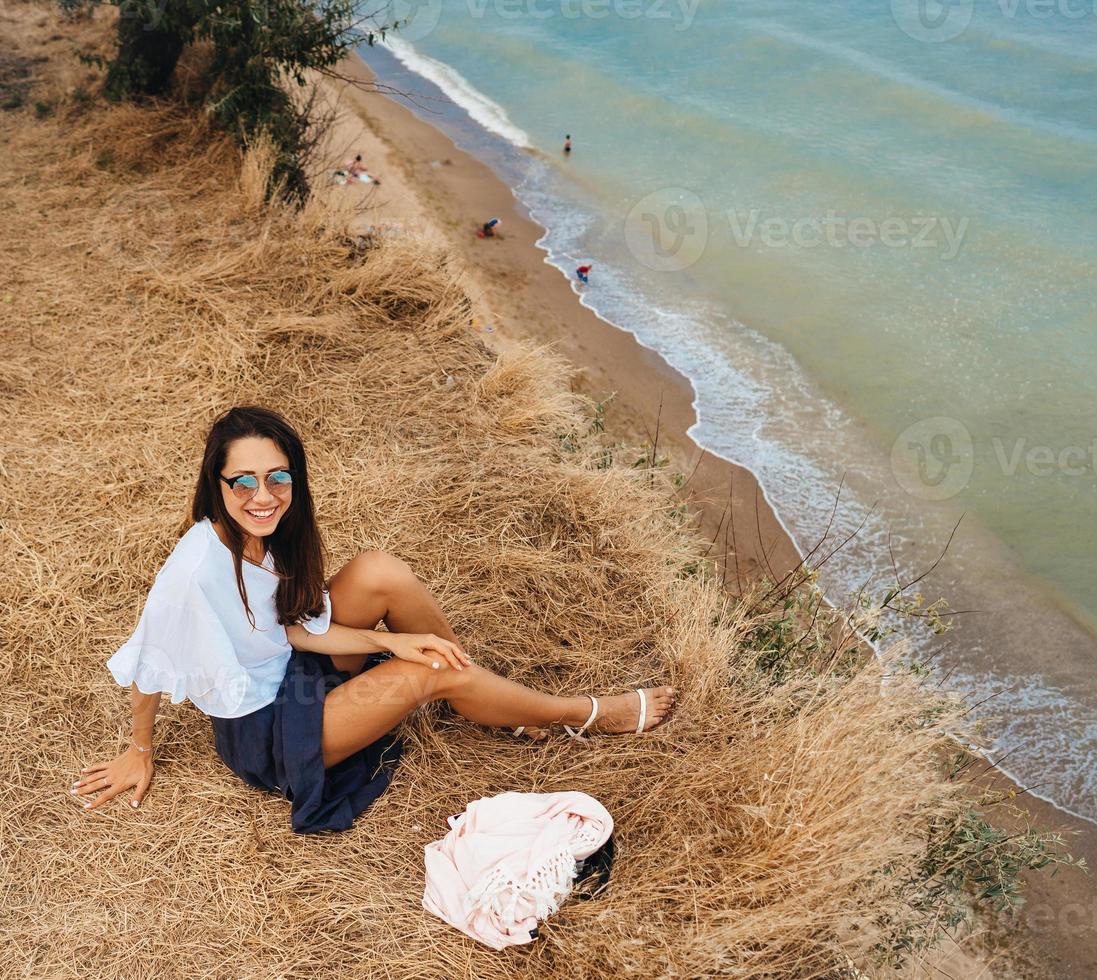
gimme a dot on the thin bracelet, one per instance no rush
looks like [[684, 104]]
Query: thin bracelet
[[138, 747]]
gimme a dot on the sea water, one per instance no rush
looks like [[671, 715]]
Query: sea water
[[866, 231]]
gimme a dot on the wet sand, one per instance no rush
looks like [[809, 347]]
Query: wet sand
[[432, 188]]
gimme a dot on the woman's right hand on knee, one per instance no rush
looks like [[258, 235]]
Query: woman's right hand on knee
[[108, 779], [427, 649]]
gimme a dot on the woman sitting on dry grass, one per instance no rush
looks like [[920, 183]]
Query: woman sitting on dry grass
[[302, 691]]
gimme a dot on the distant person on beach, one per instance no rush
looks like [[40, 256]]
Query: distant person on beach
[[356, 170], [302, 691], [583, 273], [489, 227], [567, 143]]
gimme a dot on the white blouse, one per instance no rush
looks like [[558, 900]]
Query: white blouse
[[193, 640]]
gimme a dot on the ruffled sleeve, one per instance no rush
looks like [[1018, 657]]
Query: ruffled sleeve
[[181, 648], [318, 625]]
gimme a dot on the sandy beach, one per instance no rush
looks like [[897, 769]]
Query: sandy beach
[[432, 188], [430, 185]]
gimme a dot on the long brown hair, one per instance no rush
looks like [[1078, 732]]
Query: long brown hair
[[295, 545]]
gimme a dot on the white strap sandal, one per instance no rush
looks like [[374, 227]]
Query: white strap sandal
[[643, 711], [578, 733], [641, 721]]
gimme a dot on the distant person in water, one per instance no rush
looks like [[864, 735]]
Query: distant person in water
[[567, 143], [488, 230], [583, 273]]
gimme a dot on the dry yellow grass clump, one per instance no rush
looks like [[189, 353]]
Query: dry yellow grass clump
[[148, 287]]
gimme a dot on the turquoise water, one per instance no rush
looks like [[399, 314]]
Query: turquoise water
[[867, 233]]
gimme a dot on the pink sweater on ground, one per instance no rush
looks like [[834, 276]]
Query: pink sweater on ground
[[510, 860]]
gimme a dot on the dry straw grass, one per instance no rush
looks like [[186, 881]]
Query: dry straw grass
[[155, 290]]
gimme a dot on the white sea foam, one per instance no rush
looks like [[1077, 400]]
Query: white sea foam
[[485, 111], [756, 406], [1056, 762], [752, 416]]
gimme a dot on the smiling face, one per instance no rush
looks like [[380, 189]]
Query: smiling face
[[259, 516]]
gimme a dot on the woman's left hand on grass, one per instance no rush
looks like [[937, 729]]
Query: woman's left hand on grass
[[427, 649]]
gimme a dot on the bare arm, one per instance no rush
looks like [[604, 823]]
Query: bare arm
[[133, 768], [144, 711], [348, 647]]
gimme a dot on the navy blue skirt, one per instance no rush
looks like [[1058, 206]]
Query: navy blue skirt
[[278, 748]]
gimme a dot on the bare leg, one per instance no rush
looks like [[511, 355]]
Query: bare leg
[[363, 709], [375, 586]]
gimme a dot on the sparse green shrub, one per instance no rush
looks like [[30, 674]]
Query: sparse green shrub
[[260, 51], [969, 863]]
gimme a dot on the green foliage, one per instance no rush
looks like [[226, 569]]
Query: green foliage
[[598, 423], [258, 47], [909, 606], [792, 631], [15, 80], [278, 35], [968, 863]]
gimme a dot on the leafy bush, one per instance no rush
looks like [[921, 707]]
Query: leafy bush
[[261, 50]]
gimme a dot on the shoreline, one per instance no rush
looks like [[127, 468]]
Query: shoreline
[[1025, 652], [529, 299]]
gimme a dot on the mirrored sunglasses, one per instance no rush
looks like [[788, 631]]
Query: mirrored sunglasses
[[246, 485]]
